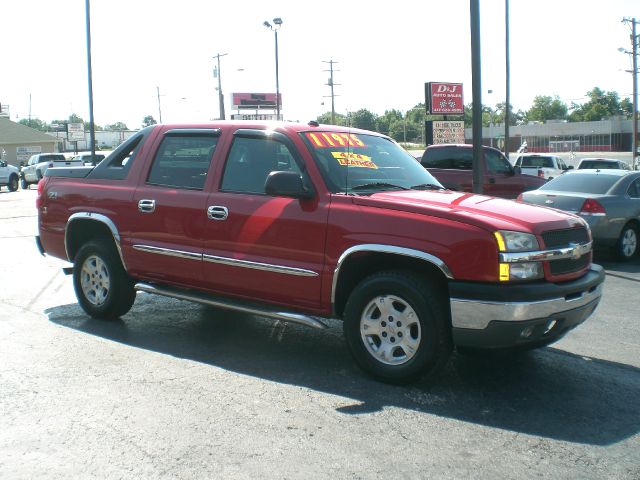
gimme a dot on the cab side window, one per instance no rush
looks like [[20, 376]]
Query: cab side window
[[634, 189], [182, 161], [250, 162], [496, 163]]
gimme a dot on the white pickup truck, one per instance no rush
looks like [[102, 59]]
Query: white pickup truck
[[8, 176], [34, 170], [541, 165]]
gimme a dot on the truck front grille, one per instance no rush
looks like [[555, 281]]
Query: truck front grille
[[569, 265], [564, 238]]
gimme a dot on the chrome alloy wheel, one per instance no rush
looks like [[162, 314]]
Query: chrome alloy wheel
[[390, 330], [629, 242], [95, 280]]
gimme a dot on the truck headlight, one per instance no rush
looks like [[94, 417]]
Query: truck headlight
[[509, 241], [516, 241]]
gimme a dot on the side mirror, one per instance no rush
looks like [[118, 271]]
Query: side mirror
[[286, 184], [517, 170], [570, 167], [3, 163]]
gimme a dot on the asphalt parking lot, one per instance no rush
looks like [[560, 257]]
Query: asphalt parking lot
[[177, 390]]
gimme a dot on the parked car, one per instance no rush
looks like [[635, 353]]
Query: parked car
[[452, 166], [38, 164], [602, 164], [609, 200], [86, 158], [9, 176], [541, 165]]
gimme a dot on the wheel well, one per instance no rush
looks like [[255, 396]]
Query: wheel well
[[360, 265], [80, 232]]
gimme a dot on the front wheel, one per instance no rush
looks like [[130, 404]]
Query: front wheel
[[24, 184], [627, 246], [103, 288], [13, 183], [396, 326]]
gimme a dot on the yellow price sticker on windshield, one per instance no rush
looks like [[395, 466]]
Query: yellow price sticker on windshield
[[349, 159], [328, 140]]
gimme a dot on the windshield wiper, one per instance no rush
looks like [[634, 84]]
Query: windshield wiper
[[427, 186], [368, 186]]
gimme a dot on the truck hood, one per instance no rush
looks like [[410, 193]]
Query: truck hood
[[489, 213]]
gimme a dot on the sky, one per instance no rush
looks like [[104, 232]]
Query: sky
[[385, 51]]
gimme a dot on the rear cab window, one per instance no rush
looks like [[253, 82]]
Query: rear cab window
[[450, 158], [183, 160]]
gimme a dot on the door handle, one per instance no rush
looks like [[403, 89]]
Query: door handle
[[492, 180], [217, 213], [147, 206]]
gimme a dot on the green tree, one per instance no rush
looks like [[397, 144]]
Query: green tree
[[325, 119], [546, 108], [35, 123], [148, 121], [384, 121], [364, 119], [601, 105], [116, 126]]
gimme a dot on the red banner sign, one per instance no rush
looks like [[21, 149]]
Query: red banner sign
[[444, 98]]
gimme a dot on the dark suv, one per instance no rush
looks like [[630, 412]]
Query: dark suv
[[452, 166]]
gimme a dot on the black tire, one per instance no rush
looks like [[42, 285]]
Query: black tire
[[412, 338], [627, 246], [103, 288], [13, 183], [38, 175], [24, 184]]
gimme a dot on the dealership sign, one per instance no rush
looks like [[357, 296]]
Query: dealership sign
[[444, 98], [75, 132], [254, 100], [448, 132]]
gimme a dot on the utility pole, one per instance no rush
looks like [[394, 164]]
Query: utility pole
[[92, 126], [507, 79], [159, 109], [331, 84], [634, 72], [476, 85], [220, 94]]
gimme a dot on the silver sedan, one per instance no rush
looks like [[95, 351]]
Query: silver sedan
[[609, 201]]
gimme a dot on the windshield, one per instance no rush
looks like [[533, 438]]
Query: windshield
[[364, 164], [587, 183]]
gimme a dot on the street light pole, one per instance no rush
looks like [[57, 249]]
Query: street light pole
[[277, 23], [220, 94]]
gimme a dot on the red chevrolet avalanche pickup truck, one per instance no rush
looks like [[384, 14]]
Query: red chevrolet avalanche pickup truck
[[310, 222]]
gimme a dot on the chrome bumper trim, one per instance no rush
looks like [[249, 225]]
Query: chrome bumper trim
[[475, 314], [574, 251]]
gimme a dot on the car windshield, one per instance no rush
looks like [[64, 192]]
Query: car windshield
[[582, 183], [538, 162], [365, 164]]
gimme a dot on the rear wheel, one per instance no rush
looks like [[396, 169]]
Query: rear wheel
[[627, 246], [396, 326], [103, 288]]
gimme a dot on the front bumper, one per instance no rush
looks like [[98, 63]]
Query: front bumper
[[501, 316]]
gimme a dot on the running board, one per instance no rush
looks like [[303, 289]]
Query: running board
[[230, 305]]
